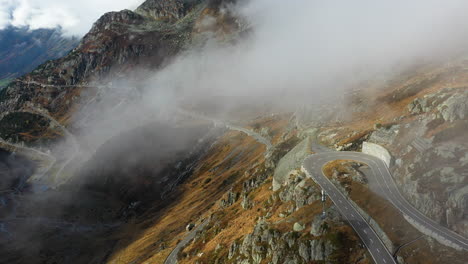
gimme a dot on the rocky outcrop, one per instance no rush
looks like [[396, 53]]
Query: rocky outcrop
[[231, 198], [14, 171], [426, 199], [384, 136], [458, 202], [167, 9], [377, 151], [449, 104], [431, 151], [266, 242], [298, 227], [318, 226], [351, 172], [455, 107], [299, 190]]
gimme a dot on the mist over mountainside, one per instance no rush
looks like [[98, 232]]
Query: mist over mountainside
[[22, 50], [187, 114]]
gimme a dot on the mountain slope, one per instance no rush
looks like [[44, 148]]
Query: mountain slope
[[22, 50], [117, 43], [140, 197]]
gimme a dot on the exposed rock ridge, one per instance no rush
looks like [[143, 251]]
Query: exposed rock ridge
[[166, 9]]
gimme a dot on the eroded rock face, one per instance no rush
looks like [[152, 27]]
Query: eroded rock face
[[384, 136], [300, 190], [435, 183], [230, 199], [265, 242], [432, 153], [318, 226], [449, 105], [455, 107]]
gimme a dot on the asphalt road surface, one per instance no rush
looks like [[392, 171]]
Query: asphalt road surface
[[172, 258], [313, 167], [386, 187]]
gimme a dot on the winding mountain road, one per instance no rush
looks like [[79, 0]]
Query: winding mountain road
[[172, 258], [313, 167], [248, 132], [68, 134], [383, 184], [45, 85], [26, 150]]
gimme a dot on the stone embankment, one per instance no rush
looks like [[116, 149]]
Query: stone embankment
[[290, 162], [377, 151]]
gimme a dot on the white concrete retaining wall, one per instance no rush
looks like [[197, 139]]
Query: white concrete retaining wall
[[377, 151]]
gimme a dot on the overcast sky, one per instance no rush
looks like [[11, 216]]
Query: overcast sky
[[75, 17]]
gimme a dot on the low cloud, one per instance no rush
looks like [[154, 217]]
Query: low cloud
[[305, 51], [295, 54]]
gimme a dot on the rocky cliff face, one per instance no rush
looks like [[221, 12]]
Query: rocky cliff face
[[170, 10], [291, 247], [117, 43], [429, 145]]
